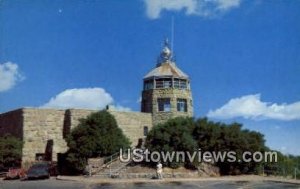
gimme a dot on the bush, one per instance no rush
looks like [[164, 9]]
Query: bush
[[96, 136], [10, 152], [188, 135]]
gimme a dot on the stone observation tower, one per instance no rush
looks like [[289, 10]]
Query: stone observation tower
[[166, 91]]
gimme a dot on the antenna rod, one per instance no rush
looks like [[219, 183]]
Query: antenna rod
[[172, 36]]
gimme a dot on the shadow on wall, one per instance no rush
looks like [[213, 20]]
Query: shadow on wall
[[49, 150], [67, 124]]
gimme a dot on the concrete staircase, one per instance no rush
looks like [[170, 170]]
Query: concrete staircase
[[111, 168]]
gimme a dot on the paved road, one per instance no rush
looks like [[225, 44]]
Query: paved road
[[198, 185], [59, 184], [41, 184]]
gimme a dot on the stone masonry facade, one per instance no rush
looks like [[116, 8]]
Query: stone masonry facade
[[151, 97], [41, 128]]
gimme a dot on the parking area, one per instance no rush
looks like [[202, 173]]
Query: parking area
[[53, 183]]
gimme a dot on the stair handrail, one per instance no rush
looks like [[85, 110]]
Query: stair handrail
[[112, 158]]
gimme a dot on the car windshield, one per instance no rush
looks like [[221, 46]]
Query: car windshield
[[39, 168], [40, 165], [37, 171]]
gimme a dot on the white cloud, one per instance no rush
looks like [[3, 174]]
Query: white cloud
[[204, 8], [119, 108], [86, 98], [251, 107], [227, 4], [9, 76]]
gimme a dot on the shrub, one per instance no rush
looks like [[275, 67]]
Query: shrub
[[96, 136]]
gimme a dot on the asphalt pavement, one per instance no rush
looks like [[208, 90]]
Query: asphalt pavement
[[41, 184], [62, 184]]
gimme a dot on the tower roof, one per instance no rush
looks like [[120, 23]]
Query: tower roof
[[167, 69], [166, 66]]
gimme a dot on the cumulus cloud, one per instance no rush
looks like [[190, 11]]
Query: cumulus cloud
[[119, 108], [204, 8], [86, 98], [251, 107], [9, 76]]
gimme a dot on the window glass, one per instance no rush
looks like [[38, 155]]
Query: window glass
[[181, 105], [163, 83], [164, 104], [148, 85], [180, 83], [176, 83]]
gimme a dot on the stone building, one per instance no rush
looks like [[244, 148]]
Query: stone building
[[43, 131], [166, 94]]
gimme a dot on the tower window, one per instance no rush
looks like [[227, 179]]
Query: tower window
[[164, 83], [148, 85], [164, 104], [180, 83], [181, 105]]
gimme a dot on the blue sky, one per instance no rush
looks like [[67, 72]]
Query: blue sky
[[243, 57]]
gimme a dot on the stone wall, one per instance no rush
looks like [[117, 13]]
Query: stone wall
[[133, 124], [77, 114], [44, 130], [43, 133]]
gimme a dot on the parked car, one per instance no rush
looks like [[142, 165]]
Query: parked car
[[38, 171], [15, 173]]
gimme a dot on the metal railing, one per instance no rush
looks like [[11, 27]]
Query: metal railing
[[108, 162]]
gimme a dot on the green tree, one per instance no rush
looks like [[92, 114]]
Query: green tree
[[208, 134], [220, 137], [10, 151], [286, 166], [188, 135], [174, 135], [96, 136]]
